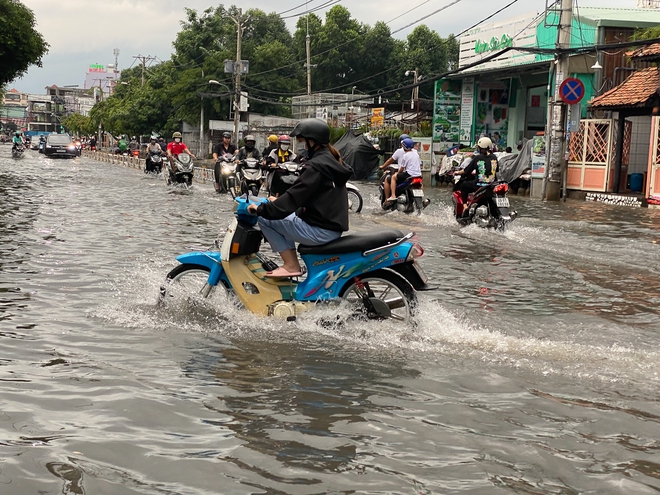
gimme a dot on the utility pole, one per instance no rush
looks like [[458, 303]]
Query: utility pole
[[144, 60], [238, 69], [201, 123], [555, 169]]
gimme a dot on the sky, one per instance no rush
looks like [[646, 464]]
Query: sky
[[85, 32]]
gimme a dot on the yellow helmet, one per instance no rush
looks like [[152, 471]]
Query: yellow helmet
[[272, 138]]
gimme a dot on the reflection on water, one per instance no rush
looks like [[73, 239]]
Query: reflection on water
[[532, 366]]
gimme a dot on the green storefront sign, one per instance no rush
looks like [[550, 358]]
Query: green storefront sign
[[494, 44]]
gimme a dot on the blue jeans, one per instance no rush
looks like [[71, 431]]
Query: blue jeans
[[283, 234]]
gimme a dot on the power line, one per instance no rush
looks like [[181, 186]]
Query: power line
[[329, 3], [431, 48], [304, 4]]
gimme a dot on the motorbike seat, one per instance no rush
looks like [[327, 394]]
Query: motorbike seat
[[354, 243]]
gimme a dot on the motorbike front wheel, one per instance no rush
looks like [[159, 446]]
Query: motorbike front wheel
[[188, 282], [389, 288], [354, 201]]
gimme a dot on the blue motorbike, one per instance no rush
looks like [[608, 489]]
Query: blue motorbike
[[376, 273]]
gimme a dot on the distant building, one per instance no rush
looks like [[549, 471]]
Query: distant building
[[338, 109], [14, 108], [98, 76], [45, 112]]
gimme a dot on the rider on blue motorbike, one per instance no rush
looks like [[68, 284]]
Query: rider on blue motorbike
[[410, 165], [314, 210]]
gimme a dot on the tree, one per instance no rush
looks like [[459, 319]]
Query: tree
[[20, 44], [78, 124]]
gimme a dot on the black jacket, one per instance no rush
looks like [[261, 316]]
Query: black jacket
[[318, 196], [268, 149], [244, 153]]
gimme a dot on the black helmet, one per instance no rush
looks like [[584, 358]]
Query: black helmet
[[226, 135], [316, 129]]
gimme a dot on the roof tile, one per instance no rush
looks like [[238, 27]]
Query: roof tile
[[645, 51], [633, 92]]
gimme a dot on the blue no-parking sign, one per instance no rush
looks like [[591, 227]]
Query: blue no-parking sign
[[571, 91]]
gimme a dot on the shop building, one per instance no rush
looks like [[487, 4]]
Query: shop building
[[506, 97]]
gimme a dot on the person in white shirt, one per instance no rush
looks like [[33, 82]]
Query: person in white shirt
[[393, 161], [410, 165]]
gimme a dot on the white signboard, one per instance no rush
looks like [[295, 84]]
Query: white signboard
[[467, 110], [425, 151], [485, 40]]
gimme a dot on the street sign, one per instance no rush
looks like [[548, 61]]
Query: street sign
[[571, 91]]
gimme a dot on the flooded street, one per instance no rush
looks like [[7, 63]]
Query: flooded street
[[533, 367]]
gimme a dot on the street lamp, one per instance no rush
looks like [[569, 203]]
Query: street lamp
[[218, 83]]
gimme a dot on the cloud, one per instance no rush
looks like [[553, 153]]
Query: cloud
[[83, 32]]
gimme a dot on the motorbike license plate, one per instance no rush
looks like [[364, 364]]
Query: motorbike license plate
[[418, 193], [502, 202]]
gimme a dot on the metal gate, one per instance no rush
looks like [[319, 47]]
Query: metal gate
[[653, 188], [591, 155]]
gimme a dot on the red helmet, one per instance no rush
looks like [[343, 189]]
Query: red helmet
[[284, 139]]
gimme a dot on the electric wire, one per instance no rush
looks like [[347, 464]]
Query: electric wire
[[392, 68]]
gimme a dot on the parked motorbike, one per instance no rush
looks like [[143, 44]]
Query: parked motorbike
[[18, 151], [409, 195], [488, 207], [355, 201], [377, 273], [154, 162], [250, 176], [181, 170]]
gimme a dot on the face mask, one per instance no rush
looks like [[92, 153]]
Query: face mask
[[177, 140], [284, 147], [302, 146]]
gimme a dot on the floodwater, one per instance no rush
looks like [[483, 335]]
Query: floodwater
[[533, 367]]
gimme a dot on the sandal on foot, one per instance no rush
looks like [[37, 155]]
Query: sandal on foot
[[282, 272]]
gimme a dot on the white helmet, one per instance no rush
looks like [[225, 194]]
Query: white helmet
[[485, 143]]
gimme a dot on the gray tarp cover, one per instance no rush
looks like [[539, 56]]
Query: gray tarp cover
[[359, 154], [512, 166]]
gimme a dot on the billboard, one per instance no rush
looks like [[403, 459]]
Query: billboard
[[482, 41]]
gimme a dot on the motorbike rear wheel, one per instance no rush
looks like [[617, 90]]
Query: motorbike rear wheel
[[355, 201], [388, 287], [189, 282]]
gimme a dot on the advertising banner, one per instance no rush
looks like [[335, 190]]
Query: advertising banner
[[378, 117], [467, 110], [423, 145], [538, 157], [447, 111], [492, 112]]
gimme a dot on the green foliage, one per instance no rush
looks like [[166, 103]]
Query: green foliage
[[20, 44], [646, 34], [345, 53], [78, 124], [336, 133]]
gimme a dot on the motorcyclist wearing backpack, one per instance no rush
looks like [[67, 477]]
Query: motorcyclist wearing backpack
[[481, 171]]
